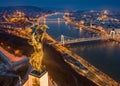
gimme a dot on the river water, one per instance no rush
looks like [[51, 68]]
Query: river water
[[103, 55]]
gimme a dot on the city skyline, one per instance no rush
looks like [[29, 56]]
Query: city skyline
[[61, 4], [80, 48]]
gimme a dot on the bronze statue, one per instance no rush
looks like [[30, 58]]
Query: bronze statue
[[36, 41]]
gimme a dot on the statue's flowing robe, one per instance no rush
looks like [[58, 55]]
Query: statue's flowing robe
[[37, 56]]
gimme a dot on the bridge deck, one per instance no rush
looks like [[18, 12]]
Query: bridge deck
[[84, 40]]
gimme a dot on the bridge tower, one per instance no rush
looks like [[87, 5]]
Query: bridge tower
[[44, 20], [62, 39], [66, 23], [112, 33], [67, 14], [58, 20]]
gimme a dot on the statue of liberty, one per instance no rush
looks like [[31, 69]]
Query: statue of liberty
[[36, 41]]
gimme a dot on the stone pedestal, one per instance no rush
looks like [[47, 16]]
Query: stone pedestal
[[37, 78]]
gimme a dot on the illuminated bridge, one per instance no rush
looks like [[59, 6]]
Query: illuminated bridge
[[69, 40], [58, 20]]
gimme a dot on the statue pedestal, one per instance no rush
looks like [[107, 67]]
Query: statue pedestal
[[37, 78]]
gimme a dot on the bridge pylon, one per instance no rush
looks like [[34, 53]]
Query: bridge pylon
[[58, 19], [44, 20], [112, 33], [62, 39]]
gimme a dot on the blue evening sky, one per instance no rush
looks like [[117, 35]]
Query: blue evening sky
[[65, 4]]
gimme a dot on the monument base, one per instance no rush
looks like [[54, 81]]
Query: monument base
[[37, 78]]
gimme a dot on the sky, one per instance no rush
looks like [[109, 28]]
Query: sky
[[65, 4]]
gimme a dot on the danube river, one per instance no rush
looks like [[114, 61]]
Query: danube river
[[103, 55]]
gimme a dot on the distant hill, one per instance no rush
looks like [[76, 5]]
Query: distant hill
[[30, 11]]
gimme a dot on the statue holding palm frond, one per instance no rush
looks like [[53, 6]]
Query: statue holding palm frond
[[36, 41]]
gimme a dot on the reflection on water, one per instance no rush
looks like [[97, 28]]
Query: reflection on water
[[57, 30], [104, 55]]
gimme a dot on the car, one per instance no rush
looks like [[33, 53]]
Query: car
[[78, 64]]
